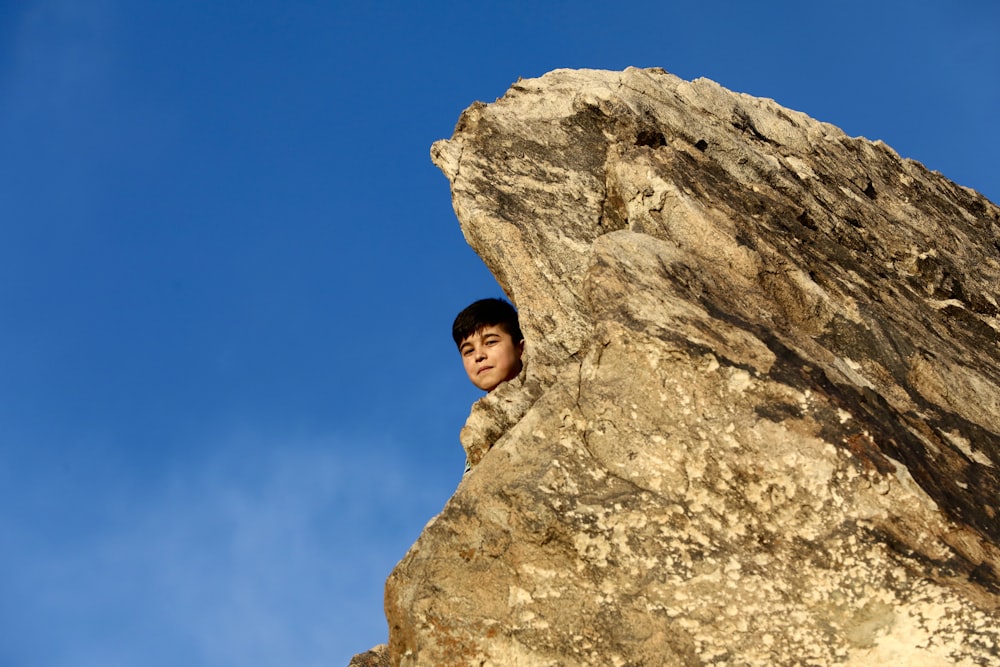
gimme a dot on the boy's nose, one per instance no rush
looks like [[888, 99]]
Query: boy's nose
[[480, 354]]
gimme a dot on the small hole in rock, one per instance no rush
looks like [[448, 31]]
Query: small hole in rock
[[650, 138]]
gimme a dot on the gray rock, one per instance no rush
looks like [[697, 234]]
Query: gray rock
[[761, 420]]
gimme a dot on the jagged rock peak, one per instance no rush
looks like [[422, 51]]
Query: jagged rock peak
[[760, 423]]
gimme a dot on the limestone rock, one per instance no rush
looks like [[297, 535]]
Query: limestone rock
[[376, 657], [496, 412], [761, 421]]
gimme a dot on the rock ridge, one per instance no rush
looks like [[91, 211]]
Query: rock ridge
[[761, 420]]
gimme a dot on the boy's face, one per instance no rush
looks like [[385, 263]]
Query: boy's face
[[491, 356]]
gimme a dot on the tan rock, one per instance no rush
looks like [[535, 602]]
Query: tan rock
[[761, 422], [376, 657]]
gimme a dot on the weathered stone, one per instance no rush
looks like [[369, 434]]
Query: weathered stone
[[761, 422], [496, 412], [376, 657]]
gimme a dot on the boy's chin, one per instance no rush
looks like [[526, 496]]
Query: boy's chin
[[488, 383], [490, 386]]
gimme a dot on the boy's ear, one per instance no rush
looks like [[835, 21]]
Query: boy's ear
[[520, 347]]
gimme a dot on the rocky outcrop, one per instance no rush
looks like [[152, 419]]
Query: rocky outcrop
[[376, 657], [760, 423]]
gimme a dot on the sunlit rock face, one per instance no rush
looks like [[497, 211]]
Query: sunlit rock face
[[760, 422], [376, 657]]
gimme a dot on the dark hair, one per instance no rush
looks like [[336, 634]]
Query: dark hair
[[485, 313]]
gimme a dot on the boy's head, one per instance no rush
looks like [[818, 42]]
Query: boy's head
[[489, 339]]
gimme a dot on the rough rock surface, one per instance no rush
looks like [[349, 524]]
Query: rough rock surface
[[376, 657], [760, 423]]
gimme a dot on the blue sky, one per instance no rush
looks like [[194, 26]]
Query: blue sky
[[229, 400]]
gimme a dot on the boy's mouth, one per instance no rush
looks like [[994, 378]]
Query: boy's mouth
[[483, 370]]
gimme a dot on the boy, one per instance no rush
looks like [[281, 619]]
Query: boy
[[489, 339]]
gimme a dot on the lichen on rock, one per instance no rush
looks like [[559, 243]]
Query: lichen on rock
[[495, 413], [761, 422]]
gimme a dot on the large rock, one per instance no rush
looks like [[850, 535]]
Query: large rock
[[760, 423]]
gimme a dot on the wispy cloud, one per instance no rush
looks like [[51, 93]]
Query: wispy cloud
[[269, 552]]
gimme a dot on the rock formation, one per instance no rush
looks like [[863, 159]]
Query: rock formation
[[376, 657], [760, 421]]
